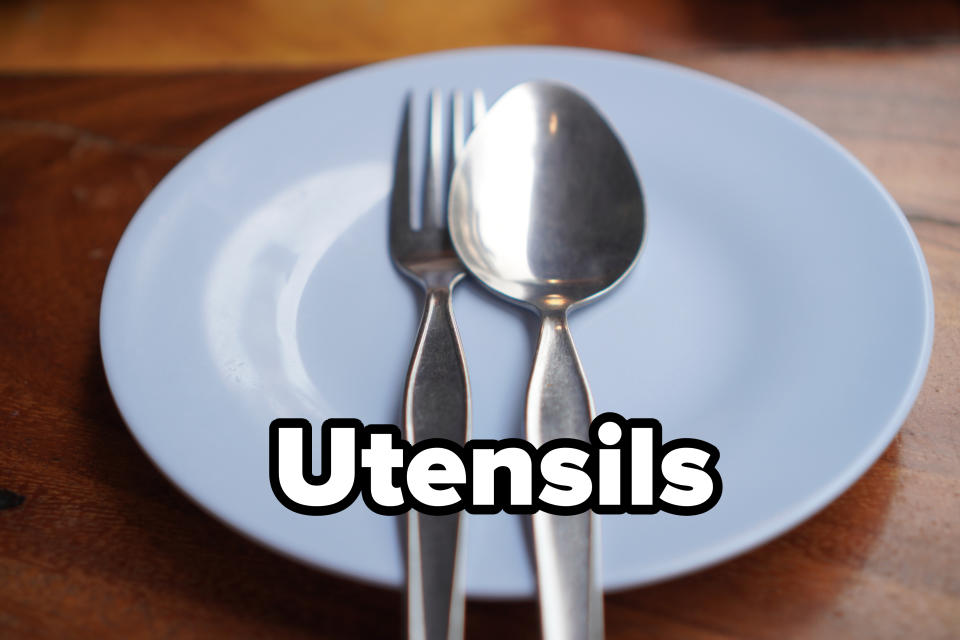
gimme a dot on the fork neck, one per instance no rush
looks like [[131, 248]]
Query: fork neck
[[440, 282]]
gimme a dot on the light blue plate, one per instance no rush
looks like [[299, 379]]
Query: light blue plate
[[781, 310]]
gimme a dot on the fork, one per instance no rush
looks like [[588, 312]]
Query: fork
[[436, 399]]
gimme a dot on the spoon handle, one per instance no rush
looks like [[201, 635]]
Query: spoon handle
[[567, 548]]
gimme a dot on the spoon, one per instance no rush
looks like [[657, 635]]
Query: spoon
[[546, 210]]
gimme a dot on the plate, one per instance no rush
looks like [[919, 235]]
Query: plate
[[781, 310]]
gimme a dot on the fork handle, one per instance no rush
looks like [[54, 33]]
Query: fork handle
[[567, 548], [436, 404]]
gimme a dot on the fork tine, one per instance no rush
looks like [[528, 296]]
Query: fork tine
[[479, 107], [433, 179], [400, 195], [459, 134], [458, 137]]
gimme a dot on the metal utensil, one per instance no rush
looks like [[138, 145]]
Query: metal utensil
[[436, 399], [546, 210]]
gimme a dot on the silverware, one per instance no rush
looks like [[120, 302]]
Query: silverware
[[547, 211], [436, 399]]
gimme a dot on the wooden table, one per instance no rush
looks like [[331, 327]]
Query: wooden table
[[103, 546]]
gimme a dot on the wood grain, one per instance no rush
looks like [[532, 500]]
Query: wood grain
[[189, 34], [102, 546]]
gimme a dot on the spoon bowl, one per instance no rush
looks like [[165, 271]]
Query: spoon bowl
[[545, 206]]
